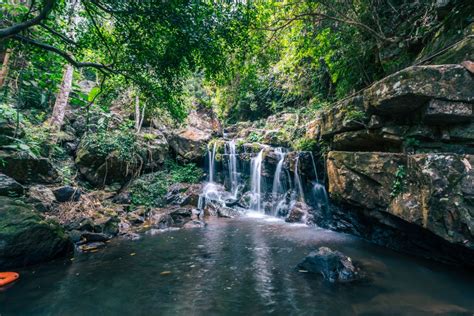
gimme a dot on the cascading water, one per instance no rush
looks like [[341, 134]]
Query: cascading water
[[277, 189], [256, 182], [212, 160], [299, 193], [233, 175], [318, 190]]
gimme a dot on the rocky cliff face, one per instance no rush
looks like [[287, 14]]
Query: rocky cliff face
[[401, 161]]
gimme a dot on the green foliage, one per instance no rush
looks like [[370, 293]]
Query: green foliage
[[305, 144], [411, 142], [254, 137], [150, 189], [122, 141], [399, 183]]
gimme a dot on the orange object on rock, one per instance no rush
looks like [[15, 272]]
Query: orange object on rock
[[8, 277]]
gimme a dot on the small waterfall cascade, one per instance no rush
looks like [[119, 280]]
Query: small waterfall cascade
[[212, 160], [318, 190], [299, 192], [256, 182], [278, 191], [242, 186], [233, 173]]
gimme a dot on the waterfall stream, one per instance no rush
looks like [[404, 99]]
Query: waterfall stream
[[256, 182], [241, 186]]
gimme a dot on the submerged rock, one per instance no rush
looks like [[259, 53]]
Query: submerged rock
[[26, 238], [332, 265]]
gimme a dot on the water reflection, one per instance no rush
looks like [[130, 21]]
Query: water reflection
[[236, 267]]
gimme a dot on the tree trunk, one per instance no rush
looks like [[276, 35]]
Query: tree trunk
[[57, 118], [5, 67], [137, 113]]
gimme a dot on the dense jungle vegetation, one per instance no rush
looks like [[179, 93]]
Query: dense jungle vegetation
[[246, 59]]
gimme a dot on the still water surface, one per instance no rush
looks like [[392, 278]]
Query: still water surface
[[242, 266]]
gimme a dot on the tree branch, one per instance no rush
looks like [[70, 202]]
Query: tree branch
[[17, 28], [101, 67], [61, 36]]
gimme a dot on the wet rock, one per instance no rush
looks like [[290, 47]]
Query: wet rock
[[94, 237], [135, 218], [332, 265], [25, 168], [181, 216], [26, 238], [92, 247], [9, 187], [300, 212], [42, 197], [246, 199], [183, 194], [161, 220], [195, 224], [67, 194]]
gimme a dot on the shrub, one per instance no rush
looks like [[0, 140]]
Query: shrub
[[305, 144], [150, 189]]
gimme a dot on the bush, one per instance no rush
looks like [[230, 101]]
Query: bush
[[305, 144], [150, 189]]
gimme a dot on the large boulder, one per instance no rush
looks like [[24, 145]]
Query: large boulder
[[413, 87], [363, 179], [299, 212], [155, 148], [100, 170], [9, 186], [332, 265], [204, 118], [25, 168], [184, 194], [431, 191], [189, 144], [41, 197], [26, 238]]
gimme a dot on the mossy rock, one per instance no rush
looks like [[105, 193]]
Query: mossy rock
[[26, 238]]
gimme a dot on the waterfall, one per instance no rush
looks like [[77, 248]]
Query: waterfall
[[256, 169], [314, 167], [298, 186], [233, 168], [318, 190], [212, 159], [277, 190]]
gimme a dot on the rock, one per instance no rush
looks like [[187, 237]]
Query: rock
[[413, 87], [195, 224], [369, 140], [161, 220], [92, 247], [332, 265], [94, 237], [26, 238], [429, 191], [300, 212], [204, 118], [183, 194], [135, 218], [9, 187], [190, 144], [439, 112], [25, 168], [67, 193], [347, 115], [181, 216], [469, 65], [123, 198], [156, 148], [101, 170], [42, 197], [8, 131], [363, 178]]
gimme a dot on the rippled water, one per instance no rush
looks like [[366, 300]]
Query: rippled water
[[243, 266]]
